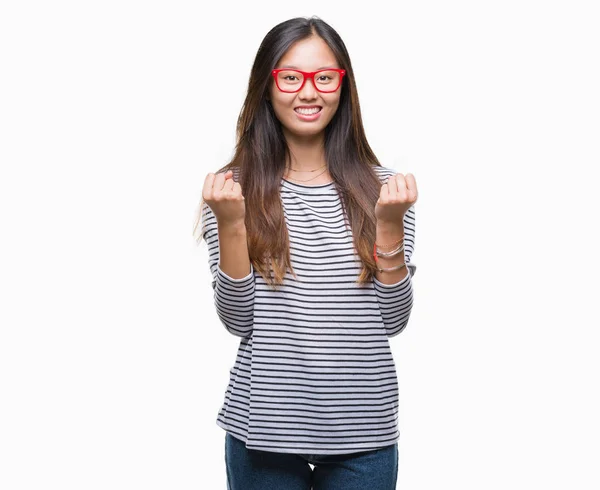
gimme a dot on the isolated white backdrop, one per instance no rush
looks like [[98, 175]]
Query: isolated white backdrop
[[113, 363]]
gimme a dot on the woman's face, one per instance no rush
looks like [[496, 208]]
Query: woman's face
[[307, 55]]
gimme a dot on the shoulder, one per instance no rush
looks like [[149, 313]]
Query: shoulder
[[384, 172], [236, 173], [234, 169]]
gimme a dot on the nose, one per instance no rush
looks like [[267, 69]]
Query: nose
[[309, 91]]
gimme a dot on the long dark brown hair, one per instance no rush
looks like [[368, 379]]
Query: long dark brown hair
[[261, 151]]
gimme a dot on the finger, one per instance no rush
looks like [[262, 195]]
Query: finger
[[208, 186], [384, 193], [228, 185], [392, 187], [401, 183], [237, 189], [219, 182], [411, 183]]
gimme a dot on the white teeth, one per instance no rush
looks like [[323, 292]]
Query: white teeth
[[302, 110]]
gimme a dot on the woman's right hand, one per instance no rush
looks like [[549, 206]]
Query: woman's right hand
[[224, 197]]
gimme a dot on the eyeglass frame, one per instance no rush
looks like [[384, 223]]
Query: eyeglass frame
[[308, 75]]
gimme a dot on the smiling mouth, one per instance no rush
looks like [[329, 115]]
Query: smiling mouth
[[308, 112]]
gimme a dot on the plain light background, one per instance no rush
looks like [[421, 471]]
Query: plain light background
[[113, 363]]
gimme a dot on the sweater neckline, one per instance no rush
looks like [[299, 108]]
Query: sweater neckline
[[307, 188]]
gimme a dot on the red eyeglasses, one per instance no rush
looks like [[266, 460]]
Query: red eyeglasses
[[291, 81]]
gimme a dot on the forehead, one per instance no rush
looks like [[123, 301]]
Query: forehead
[[308, 54]]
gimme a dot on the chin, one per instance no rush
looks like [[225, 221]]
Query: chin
[[307, 131], [306, 128]]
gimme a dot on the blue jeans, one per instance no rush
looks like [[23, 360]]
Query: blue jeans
[[250, 469]]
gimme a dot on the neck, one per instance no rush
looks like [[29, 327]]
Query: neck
[[306, 153]]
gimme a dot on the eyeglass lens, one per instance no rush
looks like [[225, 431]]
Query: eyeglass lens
[[325, 81]]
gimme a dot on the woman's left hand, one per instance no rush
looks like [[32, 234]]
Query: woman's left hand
[[395, 198]]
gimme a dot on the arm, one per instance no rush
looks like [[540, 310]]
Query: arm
[[394, 289], [229, 264]]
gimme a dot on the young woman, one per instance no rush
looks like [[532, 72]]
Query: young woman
[[309, 242]]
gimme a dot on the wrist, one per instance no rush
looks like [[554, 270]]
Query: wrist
[[389, 224], [232, 227], [389, 230]]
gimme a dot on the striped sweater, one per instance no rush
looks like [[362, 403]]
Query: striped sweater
[[314, 373]]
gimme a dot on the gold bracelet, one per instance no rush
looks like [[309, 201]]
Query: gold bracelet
[[391, 244]]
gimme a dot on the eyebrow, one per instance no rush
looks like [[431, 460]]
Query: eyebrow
[[320, 68]]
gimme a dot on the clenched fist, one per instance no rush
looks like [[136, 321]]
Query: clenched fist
[[224, 196], [395, 198]]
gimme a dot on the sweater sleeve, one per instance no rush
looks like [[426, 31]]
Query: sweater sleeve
[[396, 300], [233, 298]]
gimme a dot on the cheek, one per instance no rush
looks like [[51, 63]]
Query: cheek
[[280, 109], [282, 106], [333, 106]]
